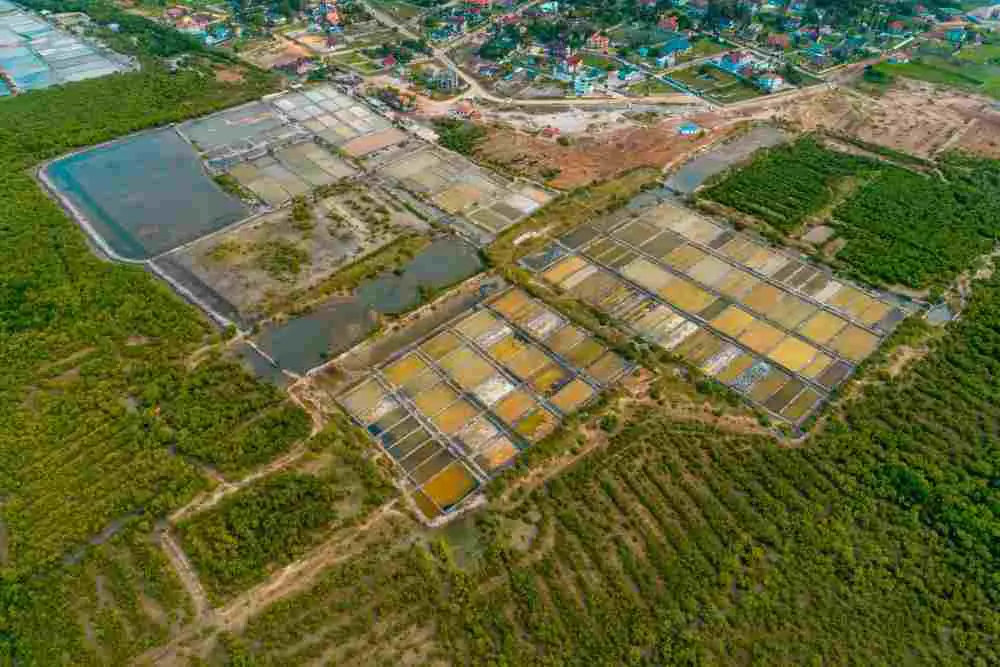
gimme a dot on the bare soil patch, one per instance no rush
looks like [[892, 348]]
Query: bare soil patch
[[913, 117], [585, 160]]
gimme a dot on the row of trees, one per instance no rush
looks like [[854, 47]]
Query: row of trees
[[902, 227]]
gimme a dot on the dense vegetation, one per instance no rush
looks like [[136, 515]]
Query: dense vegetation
[[105, 605], [460, 136], [902, 227], [909, 229], [682, 544], [79, 450], [785, 185], [234, 544]]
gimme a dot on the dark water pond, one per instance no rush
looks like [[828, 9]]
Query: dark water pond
[[308, 340]]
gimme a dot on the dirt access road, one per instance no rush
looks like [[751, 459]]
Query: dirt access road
[[300, 575]]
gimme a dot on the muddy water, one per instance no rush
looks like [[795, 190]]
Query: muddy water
[[694, 173], [308, 340]]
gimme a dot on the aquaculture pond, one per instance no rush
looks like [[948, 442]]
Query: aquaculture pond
[[694, 173], [308, 340], [144, 195]]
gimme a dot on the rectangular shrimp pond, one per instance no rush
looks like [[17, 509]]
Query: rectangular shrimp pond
[[780, 331], [145, 194], [457, 407]]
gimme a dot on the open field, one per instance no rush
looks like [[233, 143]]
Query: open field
[[912, 117], [589, 159], [973, 68], [266, 261], [715, 84], [483, 385]]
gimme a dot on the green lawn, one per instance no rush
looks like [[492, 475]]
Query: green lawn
[[651, 87], [715, 83], [972, 69], [398, 9]]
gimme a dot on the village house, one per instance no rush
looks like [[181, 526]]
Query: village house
[[735, 61], [688, 129], [770, 82], [778, 41], [599, 42], [668, 23]]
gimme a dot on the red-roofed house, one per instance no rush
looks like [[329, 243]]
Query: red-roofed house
[[668, 23], [599, 42], [780, 41]]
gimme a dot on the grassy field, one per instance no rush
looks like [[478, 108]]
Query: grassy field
[[398, 9], [975, 69], [700, 48], [714, 83], [651, 87]]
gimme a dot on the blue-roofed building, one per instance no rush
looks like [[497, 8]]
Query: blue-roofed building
[[675, 45], [688, 129], [770, 83], [955, 35]]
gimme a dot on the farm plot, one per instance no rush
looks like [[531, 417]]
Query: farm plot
[[772, 328], [459, 187], [457, 407], [270, 259]]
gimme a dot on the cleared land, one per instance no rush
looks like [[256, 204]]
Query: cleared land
[[268, 259], [912, 117], [592, 159]]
